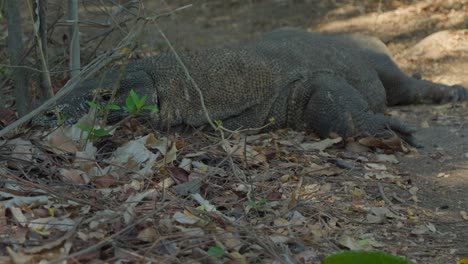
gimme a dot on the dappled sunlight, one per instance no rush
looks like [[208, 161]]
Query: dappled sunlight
[[406, 20]]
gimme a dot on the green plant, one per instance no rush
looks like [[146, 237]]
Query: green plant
[[256, 204], [364, 257], [93, 133], [135, 105], [216, 252]]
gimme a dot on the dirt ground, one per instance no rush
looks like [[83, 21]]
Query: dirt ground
[[426, 37]]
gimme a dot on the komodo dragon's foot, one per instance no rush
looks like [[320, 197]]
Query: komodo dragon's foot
[[428, 92], [381, 126], [337, 107]]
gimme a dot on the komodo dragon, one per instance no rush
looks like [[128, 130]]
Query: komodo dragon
[[337, 83]]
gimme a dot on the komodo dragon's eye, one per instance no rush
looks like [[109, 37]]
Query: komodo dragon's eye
[[106, 97], [102, 94], [49, 114]]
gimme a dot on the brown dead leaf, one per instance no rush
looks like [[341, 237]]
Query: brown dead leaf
[[7, 116], [321, 145], [376, 166], [74, 176], [380, 175], [356, 147], [274, 196], [179, 175], [380, 214], [148, 234], [391, 144], [105, 181], [60, 143], [245, 152], [22, 150], [349, 242], [387, 158]]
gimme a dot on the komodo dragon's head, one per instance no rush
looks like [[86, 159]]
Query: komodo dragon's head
[[74, 105], [99, 91]]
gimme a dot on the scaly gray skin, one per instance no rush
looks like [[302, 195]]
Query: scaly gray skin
[[339, 83]]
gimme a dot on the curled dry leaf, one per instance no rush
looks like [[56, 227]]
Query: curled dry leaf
[[170, 156], [47, 224], [60, 143], [392, 144], [19, 216], [185, 218], [464, 215], [148, 234], [193, 232], [209, 170], [85, 161], [321, 145], [386, 158], [105, 181], [7, 116], [376, 166], [12, 200], [380, 175], [190, 187], [179, 175], [349, 242], [380, 214], [23, 149], [245, 152], [74, 176]]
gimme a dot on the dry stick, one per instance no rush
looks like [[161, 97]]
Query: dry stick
[[189, 77], [42, 55], [44, 62], [110, 238], [88, 71], [96, 65], [93, 67], [382, 193]]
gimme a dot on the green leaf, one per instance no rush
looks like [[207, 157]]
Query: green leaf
[[216, 252], [130, 105], [84, 127], [113, 107], [93, 105], [100, 132], [129, 102], [364, 257], [251, 204], [218, 123], [256, 204], [142, 101], [134, 96], [151, 108]]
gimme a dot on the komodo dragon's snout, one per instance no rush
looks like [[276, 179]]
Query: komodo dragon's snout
[[338, 83]]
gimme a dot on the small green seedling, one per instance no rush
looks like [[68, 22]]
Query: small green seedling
[[135, 105], [216, 252], [93, 133], [256, 204]]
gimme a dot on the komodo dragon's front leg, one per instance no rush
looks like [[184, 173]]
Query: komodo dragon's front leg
[[336, 106]]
